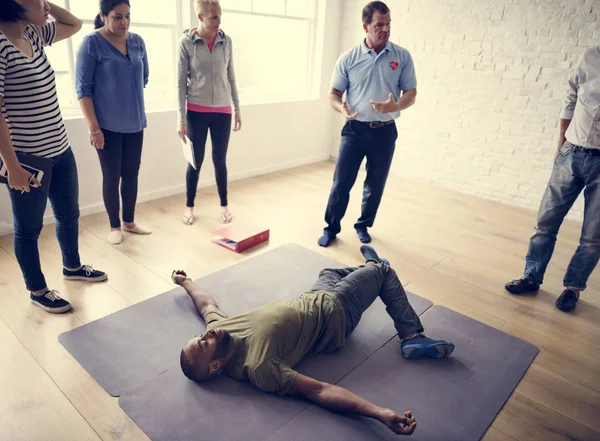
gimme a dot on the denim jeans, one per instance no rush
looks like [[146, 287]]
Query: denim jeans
[[357, 289], [360, 140], [573, 172], [28, 214]]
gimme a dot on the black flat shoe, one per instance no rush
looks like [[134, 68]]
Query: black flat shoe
[[567, 300], [520, 286]]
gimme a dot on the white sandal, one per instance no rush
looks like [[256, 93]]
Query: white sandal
[[226, 218], [188, 220]]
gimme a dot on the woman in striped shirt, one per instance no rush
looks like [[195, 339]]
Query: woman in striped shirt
[[31, 126]]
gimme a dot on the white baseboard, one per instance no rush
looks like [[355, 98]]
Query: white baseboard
[[6, 228]]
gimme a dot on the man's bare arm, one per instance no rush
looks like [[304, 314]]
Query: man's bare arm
[[335, 101], [203, 303], [338, 399], [407, 99]]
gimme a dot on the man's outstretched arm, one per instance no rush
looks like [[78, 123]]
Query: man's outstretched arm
[[338, 399], [202, 301]]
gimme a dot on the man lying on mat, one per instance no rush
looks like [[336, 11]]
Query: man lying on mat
[[263, 345]]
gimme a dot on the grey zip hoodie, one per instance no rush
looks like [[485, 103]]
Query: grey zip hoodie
[[205, 78]]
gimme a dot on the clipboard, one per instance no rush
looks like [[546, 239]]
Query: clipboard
[[188, 151], [40, 168]]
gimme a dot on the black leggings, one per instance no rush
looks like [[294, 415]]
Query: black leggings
[[120, 161], [198, 124]]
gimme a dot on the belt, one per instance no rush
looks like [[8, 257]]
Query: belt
[[377, 124], [591, 152]]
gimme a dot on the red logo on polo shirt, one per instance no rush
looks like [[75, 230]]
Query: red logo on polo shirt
[[394, 65]]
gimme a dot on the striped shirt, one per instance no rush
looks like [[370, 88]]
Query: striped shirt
[[30, 99]]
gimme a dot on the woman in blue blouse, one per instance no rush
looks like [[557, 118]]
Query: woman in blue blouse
[[112, 71]]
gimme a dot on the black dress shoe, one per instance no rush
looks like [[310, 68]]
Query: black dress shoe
[[567, 300], [520, 286]]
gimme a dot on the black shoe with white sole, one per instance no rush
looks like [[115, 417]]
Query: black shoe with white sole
[[51, 302], [86, 273]]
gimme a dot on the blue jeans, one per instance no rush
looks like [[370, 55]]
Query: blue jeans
[[28, 214], [358, 141], [573, 171]]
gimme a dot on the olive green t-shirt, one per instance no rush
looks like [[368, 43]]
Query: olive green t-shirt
[[271, 339]]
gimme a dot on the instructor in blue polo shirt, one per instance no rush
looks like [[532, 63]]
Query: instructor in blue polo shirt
[[379, 80]]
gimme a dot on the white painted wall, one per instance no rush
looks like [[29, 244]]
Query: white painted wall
[[491, 80], [273, 137]]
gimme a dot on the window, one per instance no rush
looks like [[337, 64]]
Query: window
[[273, 48], [273, 43], [158, 26]]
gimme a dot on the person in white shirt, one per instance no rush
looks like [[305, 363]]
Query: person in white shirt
[[576, 169]]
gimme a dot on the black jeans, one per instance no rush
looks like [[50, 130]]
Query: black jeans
[[357, 289], [360, 140], [120, 161], [198, 124], [28, 214]]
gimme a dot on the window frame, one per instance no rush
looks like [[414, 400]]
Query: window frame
[[74, 111], [310, 55], [186, 17]]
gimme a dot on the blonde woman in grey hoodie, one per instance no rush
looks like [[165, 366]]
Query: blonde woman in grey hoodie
[[208, 99]]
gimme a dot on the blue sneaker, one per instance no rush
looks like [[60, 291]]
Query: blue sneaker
[[421, 346]]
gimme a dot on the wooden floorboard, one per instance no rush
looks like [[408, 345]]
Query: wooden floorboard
[[454, 249]]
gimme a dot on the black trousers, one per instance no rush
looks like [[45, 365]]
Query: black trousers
[[198, 125], [360, 141], [120, 161]]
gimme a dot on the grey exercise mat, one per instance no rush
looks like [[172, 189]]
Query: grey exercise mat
[[131, 346], [169, 407], [455, 399]]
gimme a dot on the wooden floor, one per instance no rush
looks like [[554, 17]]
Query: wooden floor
[[453, 249]]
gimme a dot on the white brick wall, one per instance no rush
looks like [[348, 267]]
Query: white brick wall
[[491, 80]]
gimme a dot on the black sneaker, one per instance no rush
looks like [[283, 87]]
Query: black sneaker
[[520, 286], [51, 302], [87, 273], [567, 300]]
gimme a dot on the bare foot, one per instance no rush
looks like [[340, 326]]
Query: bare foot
[[130, 225], [178, 277]]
